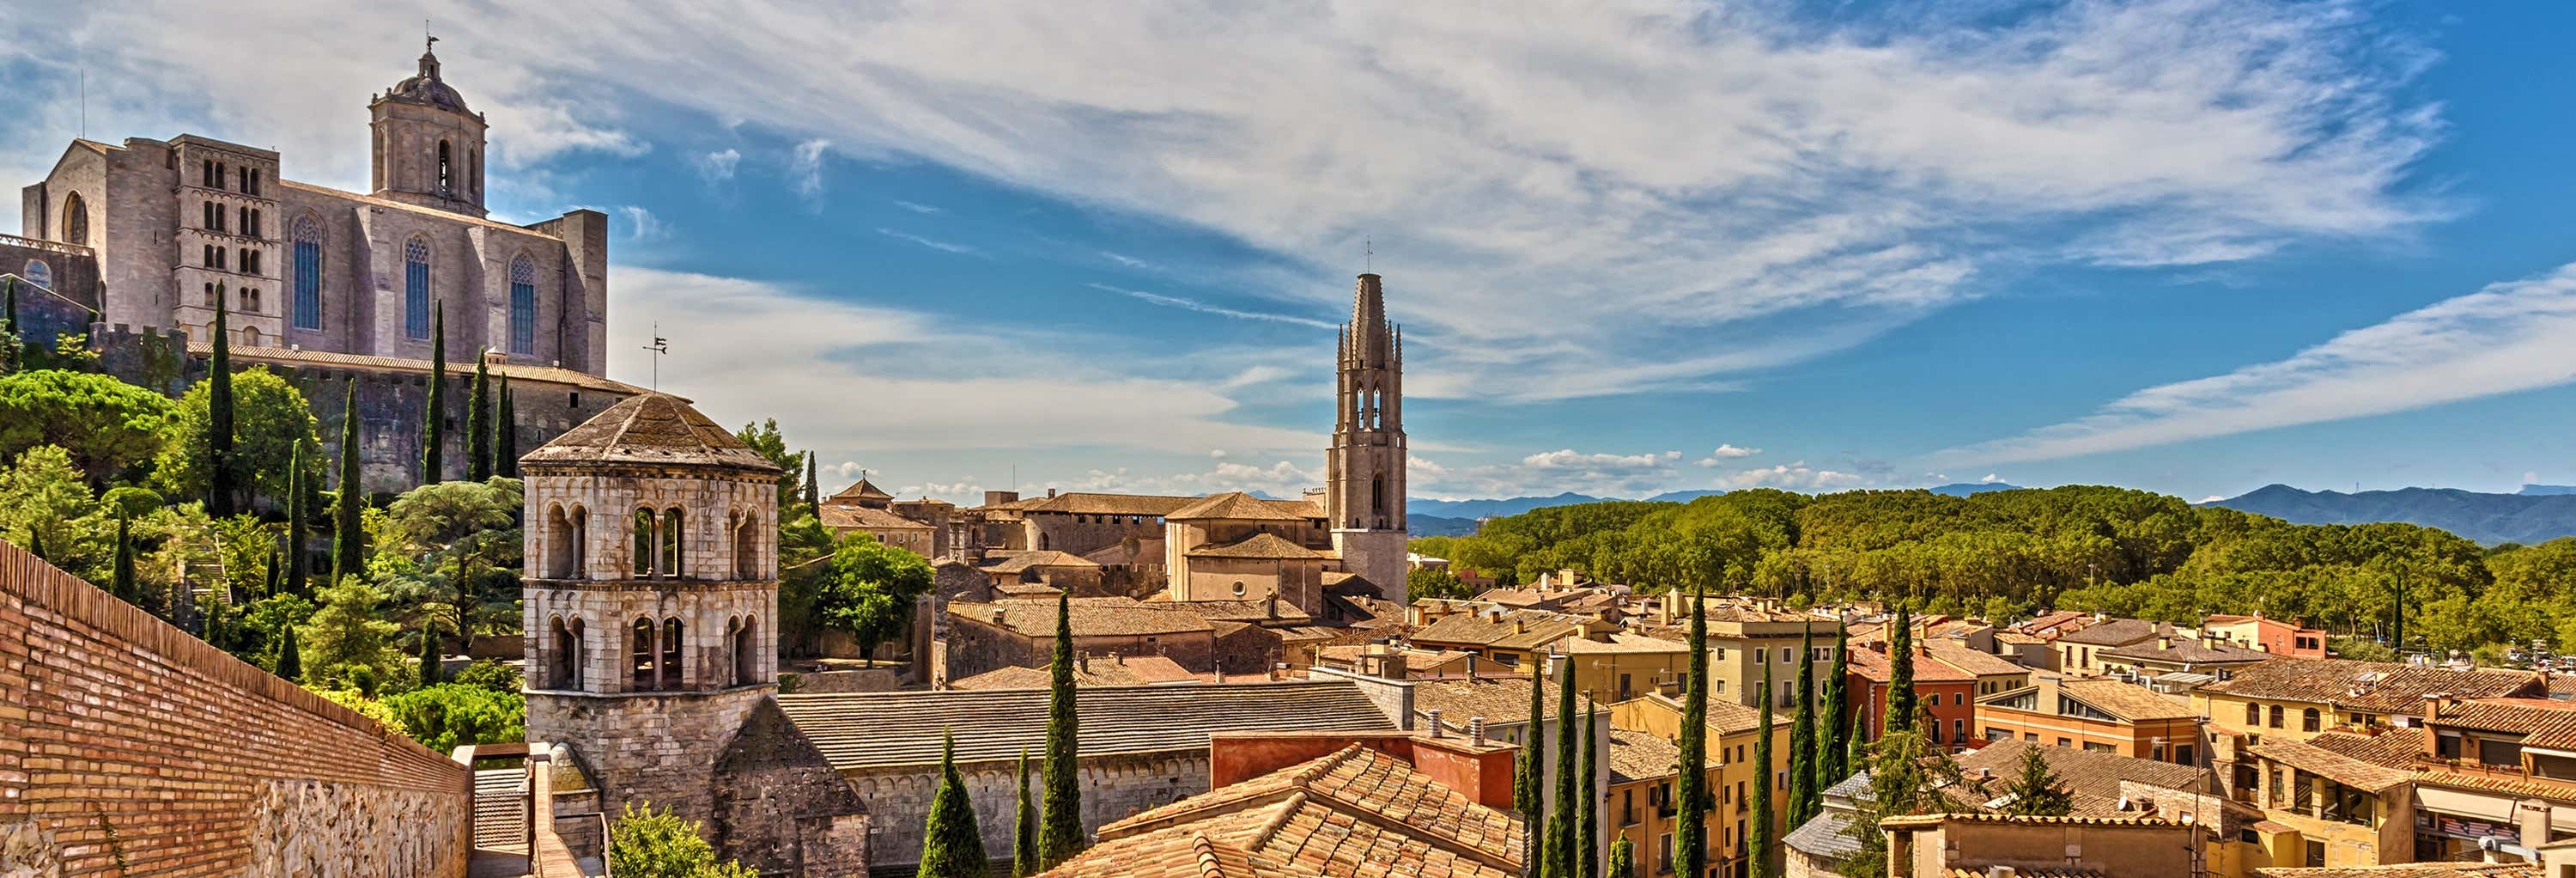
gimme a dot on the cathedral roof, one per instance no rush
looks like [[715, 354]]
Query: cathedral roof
[[1239, 506], [427, 89], [1263, 546], [652, 428], [864, 490]]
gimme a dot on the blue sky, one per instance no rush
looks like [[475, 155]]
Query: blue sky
[[2191, 246]]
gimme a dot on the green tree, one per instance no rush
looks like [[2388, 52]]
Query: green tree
[[9, 343], [222, 471], [1623, 859], [348, 641], [45, 502], [1906, 773], [290, 657], [429, 653], [505, 428], [1900, 674], [1833, 753], [478, 421], [951, 846], [1690, 790], [445, 716], [347, 534], [2035, 790], [434, 538], [1024, 826], [121, 582], [1062, 835], [813, 488], [765, 438], [1762, 781], [1529, 795], [269, 419], [299, 511], [645, 843], [1433, 582], [433, 421], [1588, 823], [107, 425], [1561, 843], [1802, 735], [871, 590]]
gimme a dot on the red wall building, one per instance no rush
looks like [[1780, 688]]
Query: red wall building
[[1948, 692]]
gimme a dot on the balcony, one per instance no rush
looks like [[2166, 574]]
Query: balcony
[[47, 246]]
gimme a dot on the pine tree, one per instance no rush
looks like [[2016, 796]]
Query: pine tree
[[1900, 674], [1561, 839], [478, 422], [1833, 755], [345, 518], [1690, 790], [290, 656], [505, 433], [1623, 859], [1760, 842], [121, 582], [299, 510], [429, 653], [1905, 776], [1061, 835], [2035, 791], [1588, 826], [1024, 827], [219, 416], [1802, 735], [433, 427], [951, 847]]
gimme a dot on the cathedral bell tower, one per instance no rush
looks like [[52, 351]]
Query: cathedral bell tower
[[428, 146], [1364, 489]]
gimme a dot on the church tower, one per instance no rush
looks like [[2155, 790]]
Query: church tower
[[428, 146], [1364, 471]]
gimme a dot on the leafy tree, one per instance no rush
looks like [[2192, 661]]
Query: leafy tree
[[478, 421], [2035, 791], [222, 470], [1762, 781], [433, 421], [1802, 735], [765, 438], [347, 534], [347, 640], [871, 589], [434, 539], [1434, 582], [951, 846], [1061, 836], [1024, 826], [491, 676], [108, 426], [1690, 790], [646, 843], [9, 343], [445, 716], [1623, 859], [268, 632], [1906, 773], [271, 418]]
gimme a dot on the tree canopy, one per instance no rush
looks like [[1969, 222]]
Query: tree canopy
[[108, 426], [870, 589], [270, 416]]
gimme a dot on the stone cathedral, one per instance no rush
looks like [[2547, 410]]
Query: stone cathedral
[[1364, 470], [160, 234]]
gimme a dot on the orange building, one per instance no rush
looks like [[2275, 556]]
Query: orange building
[[2267, 634], [2099, 714]]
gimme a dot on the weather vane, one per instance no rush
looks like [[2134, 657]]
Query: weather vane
[[659, 347]]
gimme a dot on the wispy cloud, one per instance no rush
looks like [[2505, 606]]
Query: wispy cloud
[[2503, 338], [1205, 308], [914, 206], [718, 166], [641, 224], [1126, 260], [805, 170], [926, 242]]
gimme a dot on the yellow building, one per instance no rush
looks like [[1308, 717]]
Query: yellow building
[[2293, 699], [1618, 666], [1733, 730], [1744, 636], [1511, 638]]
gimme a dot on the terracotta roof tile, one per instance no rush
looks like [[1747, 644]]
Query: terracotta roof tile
[[1087, 503], [2379, 687], [2408, 870], [2332, 765], [1239, 506], [1019, 561], [1091, 617], [2087, 772], [1965, 658], [1875, 666], [858, 730], [655, 429], [1509, 629], [1264, 546], [2117, 632], [865, 518]]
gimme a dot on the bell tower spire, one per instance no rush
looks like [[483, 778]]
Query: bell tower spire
[[1364, 494]]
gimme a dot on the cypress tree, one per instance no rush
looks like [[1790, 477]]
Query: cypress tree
[[433, 427], [1690, 833], [1588, 826], [1060, 836], [813, 489], [276, 569], [121, 582], [1759, 846], [1623, 859], [951, 847], [1856, 743], [290, 656], [219, 415], [9, 361], [1528, 795], [1024, 827], [1900, 673], [345, 518], [299, 509], [428, 653], [1833, 758], [36, 543], [1561, 839], [505, 433], [1802, 735], [478, 423]]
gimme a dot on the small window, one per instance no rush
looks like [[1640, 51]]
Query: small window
[[2253, 715], [2308, 720], [2276, 716], [671, 653]]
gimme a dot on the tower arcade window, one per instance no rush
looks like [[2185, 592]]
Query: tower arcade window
[[563, 667], [746, 547], [671, 540], [746, 658], [416, 288], [671, 653], [1377, 493], [640, 654], [643, 544], [445, 177], [307, 258], [523, 305]]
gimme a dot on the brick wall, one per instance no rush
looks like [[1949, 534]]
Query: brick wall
[[129, 747]]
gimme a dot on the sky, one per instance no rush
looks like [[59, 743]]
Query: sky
[[2189, 246]]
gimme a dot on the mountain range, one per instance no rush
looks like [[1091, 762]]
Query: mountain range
[[2538, 513]]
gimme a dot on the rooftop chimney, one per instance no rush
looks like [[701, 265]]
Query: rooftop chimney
[[1050, 493], [1476, 730], [1000, 616], [1434, 716], [2165, 642]]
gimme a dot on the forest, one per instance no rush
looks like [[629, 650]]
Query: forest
[[2008, 554]]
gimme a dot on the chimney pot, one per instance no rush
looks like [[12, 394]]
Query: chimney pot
[[1476, 730], [1434, 716]]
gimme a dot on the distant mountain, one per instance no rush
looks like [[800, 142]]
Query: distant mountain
[[1438, 526], [1475, 509], [1962, 489], [2528, 517], [2547, 490], [1683, 496]]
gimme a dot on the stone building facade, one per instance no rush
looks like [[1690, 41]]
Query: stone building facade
[[182, 227], [1364, 471], [57, 288]]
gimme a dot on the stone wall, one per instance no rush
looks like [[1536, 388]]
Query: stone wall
[[647, 747], [779, 806], [1113, 787], [129, 747]]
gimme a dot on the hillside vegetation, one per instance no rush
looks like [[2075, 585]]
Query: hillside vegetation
[[2008, 553]]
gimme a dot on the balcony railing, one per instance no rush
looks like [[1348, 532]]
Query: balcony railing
[[48, 246]]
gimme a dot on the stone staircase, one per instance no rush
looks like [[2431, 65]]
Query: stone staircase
[[501, 810]]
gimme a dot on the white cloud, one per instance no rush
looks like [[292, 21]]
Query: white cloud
[[1726, 453], [1590, 195], [641, 224], [1794, 476], [1205, 308], [2213, 498], [2503, 338], [1125, 260], [914, 206], [926, 242], [1548, 472], [1990, 479], [718, 166]]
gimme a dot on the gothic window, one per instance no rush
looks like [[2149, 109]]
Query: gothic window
[[206, 175], [640, 654], [250, 181], [252, 228], [1377, 493], [746, 547], [210, 216], [739, 640], [563, 665], [308, 273], [211, 300], [671, 540], [416, 288], [643, 543], [671, 653], [244, 212], [523, 305], [249, 261], [444, 181]]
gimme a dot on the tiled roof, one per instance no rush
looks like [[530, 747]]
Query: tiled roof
[[1725, 717], [1929, 820], [655, 429], [1086, 503], [2332, 765], [2379, 687], [1135, 670], [1636, 756], [2544, 723], [1877, 667], [1239, 506], [2409, 870], [2188, 651], [1964, 872], [1242, 611], [2086, 772], [244, 356], [2117, 632], [1827, 835], [1091, 617], [1974, 661], [1353, 813], [2128, 701], [1019, 561], [1500, 700], [865, 518], [1624, 642], [857, 730], [1263, 546], [861, 491], [2395, 749], [1510, 629]]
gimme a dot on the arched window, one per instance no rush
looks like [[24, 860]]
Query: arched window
[[445, 177], [562, 661], [523, 305], [559, 548], [250, 336], [671, 653], [746, 547], [307, 263], [416, 288], [1377, 493], [2276, 716], [75, 220], [2308, 720], [2253, 716], [579, 545], [640, 654], [738, 643], [643, 544], [672, 539]]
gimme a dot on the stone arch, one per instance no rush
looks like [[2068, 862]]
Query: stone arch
[[563, 657], [641, 654], [558, 542], [746, 652], [674, 536], [75, 225], [674, 656], [645, 551], [746, 546]]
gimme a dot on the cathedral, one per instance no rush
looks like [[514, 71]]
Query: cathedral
[[161, 234]]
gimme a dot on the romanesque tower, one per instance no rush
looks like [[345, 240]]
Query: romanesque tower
[[428, 146], [651, 602], [1364, 471]]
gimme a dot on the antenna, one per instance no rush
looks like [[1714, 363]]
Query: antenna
[[84, 102], [659, 347], [1368, 252]]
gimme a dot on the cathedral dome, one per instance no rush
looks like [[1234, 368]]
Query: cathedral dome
[[654, 429], [427, 89]]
